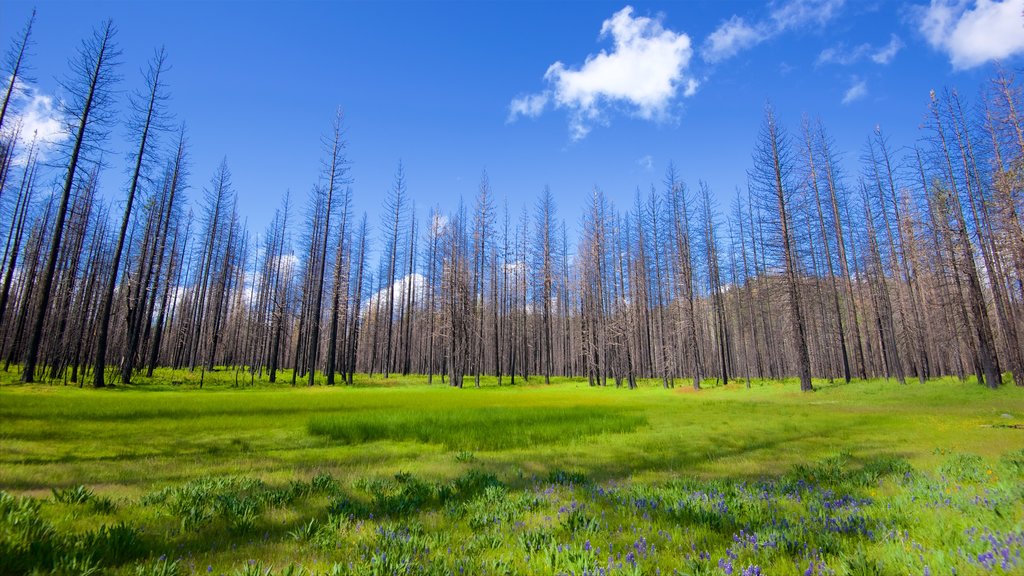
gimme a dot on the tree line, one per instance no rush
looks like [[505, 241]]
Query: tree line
[[911, 267]]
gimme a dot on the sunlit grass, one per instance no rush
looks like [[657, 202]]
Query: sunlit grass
[[327, 476], [486, 428]]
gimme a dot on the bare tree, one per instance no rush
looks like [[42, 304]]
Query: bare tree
[[543, 249], [335, 176], [147, 122], [976, 300], [15, 65], [89, 87], [772, 173]]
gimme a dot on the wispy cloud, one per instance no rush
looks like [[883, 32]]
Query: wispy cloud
[[646, 163], [730, 38], [530, 105], [973, 33], [885, 54], [645, 70], [844, 55], [857, 91], [736, 35], [798, 13]]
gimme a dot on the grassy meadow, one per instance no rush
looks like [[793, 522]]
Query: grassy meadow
[[399, 477]]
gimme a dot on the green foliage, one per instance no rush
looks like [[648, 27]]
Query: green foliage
[[568, 478], [1013, 463], [305, 532], [964, 468], [160, 567], [533, 541], [323, 483], [497, 508], [29, 542], [577, 521], [860, 563], [113, 544], [473, 482], [75, 495], [254, 568], [403, 495], [103, 504]]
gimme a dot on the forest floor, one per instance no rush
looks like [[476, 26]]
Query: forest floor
[[395, 476]]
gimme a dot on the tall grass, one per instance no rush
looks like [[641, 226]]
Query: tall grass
[[478, 428]]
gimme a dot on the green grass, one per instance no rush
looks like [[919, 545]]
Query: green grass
[[388, 475], [475, 428]]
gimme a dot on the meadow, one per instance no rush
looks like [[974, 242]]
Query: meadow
[[397, 476]]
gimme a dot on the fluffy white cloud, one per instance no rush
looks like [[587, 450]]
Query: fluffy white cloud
[[858, 90], [735, 35], [973, 33], [885, 54], [36, 117], [415, 282], [645, 70]]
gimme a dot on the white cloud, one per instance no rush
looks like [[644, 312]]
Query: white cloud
[[976, 34], [843, 55], [731, 37], [885, 54], [644, 71], [691, 87], [531, 105], [858, 90], [646, 162], [798, 13], [37, 117], [735, 35], [438, 224], [415, 282]]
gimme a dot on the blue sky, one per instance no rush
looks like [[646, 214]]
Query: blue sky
[[570, 95]]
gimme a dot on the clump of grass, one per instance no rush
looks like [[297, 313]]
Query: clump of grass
[[103, 504], [323, 483], [496, 508], [160, 567], [963, 468], [113, 544], [238, 502], [305, 532], [403, 496], [578, 521], [1013, 462], [31, 543], [472, 483], [72, 495], [27, 541], [568, 478], [254, 568], [533, 541], [477, 428]]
